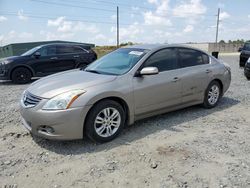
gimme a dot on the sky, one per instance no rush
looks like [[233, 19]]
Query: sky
[[141, 21]]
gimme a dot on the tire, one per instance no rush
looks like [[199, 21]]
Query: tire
[[21, 75], [212, 95], [96, 120], [242, 64]]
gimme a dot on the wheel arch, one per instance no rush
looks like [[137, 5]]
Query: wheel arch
[[120, 101], [221, 85], [21, 66]]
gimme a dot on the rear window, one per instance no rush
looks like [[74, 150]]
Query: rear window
[[65, 49], [191, 57]]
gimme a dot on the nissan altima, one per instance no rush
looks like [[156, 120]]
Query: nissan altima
[[120, 88]]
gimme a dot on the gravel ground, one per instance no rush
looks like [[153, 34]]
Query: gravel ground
[[193, 147]]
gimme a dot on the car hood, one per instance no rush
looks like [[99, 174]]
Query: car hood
[[56, 84], [11, 58]]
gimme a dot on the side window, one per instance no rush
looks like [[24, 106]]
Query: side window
[[47, 51], [65, 50], [164, 60], [190, 57], [79, 50]]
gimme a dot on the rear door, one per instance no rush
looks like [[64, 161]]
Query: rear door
[[67, 58], [159, 91], [82, 56], [196, 72]]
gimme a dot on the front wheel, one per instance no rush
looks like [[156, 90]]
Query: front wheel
[[212, 95], [105, 121], [21, 75]]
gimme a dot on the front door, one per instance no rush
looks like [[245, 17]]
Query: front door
[[47, 62], [155, 92]]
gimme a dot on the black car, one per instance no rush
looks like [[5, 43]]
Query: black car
[[245, 54], [45, 60], [247, 69]]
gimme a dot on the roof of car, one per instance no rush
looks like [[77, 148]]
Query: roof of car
[[68, 44], [157, 46]]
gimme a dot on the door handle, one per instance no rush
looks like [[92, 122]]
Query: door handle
[[208, 71], [76, 56], [54, 58], [175, 79]]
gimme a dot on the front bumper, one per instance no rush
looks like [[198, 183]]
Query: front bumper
[[66, 124], [243, 59], [3, 74]]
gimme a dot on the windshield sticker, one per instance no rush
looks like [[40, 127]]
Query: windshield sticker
[[137, 53]]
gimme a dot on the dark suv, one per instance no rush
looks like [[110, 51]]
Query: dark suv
[[45, 60], [245, 54]]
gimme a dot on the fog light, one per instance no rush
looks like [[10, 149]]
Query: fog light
[[46, 129]]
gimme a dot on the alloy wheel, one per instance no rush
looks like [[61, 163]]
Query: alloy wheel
[[107, 122], [213, 94]]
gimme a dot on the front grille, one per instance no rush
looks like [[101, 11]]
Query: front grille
[[30, 100]]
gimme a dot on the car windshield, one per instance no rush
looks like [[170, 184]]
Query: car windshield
[[247, 46], [31, 51], [118, 62]]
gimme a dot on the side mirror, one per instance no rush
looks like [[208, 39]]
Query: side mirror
[[149, 71], [240, 49], [37, 54]]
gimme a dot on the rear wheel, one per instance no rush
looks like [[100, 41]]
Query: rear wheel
[[21, 75], [105, 121], [212, 95]]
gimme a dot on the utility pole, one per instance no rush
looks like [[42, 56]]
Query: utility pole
[[217, 27], [117, 27]]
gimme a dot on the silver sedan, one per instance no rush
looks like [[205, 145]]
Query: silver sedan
[[126, 85]]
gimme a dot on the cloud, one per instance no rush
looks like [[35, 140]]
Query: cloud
[[159, 17], [3, 18], [248, 16], [224, 15], [21, 15], [188, 29], [56, 22], [152, 19], [65, 26], [130, 33], [153, 1], [189, 8], [56, 35]]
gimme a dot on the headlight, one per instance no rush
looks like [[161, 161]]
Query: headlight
[[5, 62], [248, 61], [63, 101]]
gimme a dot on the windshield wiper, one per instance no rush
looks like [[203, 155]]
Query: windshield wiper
[[93, 71]]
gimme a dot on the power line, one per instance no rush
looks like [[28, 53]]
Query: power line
[[110, 10], [113, 3], [73, 20], [70, 5], [55, 15]]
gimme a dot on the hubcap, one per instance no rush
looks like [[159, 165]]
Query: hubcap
[[213, 94], [107, 122]]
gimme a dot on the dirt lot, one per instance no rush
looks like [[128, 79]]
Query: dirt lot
[[193, 147]]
